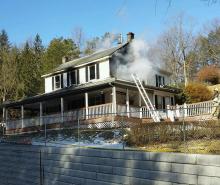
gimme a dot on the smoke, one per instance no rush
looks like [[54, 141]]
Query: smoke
[[138, 62], [107, 41]]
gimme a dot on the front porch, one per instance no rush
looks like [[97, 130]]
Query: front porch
[[103, 115], [90, 106]]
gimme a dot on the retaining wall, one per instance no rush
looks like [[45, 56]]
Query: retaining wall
[[31, 165]]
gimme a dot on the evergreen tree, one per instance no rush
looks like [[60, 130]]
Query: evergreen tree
[[38, 60], [28, 71], [4, 42], [57, 49]]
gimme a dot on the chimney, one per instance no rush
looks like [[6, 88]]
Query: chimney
[[120, 39], [64, 59], [130, 36]]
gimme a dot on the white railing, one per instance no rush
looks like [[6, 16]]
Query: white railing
[[193, 109], [93, 112], [200, 108], [145, 112], [178, 111], [99, 110]]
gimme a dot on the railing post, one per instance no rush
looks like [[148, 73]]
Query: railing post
[[177, 111], [127, 103], [114, 106], [41, 114], [170, 113], [141, 113], [22, 116], [87, 105], [62, 109], [185, 109]]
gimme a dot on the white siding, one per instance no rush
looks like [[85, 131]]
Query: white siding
[[82, 75], [48, 84], [104, 70]]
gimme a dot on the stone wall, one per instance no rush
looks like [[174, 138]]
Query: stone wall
[[30, 165]]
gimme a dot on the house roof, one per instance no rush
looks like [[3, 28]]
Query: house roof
[[86, 59], [84, 88]]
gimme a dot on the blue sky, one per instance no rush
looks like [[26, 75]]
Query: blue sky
[[22, 19]]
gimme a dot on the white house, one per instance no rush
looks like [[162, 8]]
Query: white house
[[91, 89]]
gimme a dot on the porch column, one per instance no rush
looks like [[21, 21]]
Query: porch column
[[87, 105], [114, 106], [3, 114], [41, 113], [22, 116], [127, 103], [139, 104], [6, 115], [62, 109]]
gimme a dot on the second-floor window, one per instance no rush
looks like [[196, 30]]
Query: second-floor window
[[92, 72], [73, 77], [160, 81], [57, 82]]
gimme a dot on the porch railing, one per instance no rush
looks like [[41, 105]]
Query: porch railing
[[193, 109], [178, 111], [99, 110]]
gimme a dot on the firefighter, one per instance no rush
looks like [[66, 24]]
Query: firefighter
[[216, 103]]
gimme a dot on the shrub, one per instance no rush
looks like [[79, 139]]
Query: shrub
[[197, 92], [209, 74]]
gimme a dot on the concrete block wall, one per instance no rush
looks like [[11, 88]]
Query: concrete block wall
[[27, 165]]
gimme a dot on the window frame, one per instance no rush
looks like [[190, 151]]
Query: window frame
[[55, 83], [89, 72], [160, 80], [71, 79]]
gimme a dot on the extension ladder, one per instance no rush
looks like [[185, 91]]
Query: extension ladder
[[154, 114]]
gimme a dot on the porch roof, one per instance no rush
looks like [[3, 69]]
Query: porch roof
[[83, 88]]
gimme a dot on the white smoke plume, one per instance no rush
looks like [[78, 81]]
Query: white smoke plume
[[138, 62]]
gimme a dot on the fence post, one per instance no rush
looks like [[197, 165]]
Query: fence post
[[177, 111], [141, 113], [78, 123], [185, 109], [170, 113]]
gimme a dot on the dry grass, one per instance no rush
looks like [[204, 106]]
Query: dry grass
[[195, 146]]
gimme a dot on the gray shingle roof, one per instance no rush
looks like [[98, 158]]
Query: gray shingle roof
[[89, 58]]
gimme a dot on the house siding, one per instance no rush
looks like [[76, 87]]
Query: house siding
[[48, 84], [104, 69], [82, 75]]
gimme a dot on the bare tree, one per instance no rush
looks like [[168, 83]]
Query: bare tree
[[79, 37], [174, 47]]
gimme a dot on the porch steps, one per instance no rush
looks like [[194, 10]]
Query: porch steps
[[155, 115]]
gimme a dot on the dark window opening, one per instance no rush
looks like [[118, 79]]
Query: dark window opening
[[57, 82], [156, 101], [172, 101], [73, 77], [92, 75], [164, 104], [160, 81]]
